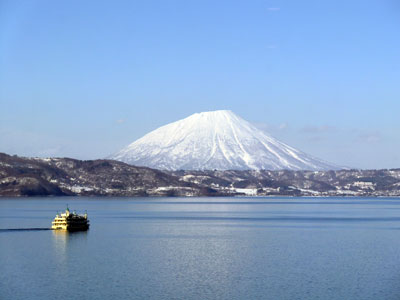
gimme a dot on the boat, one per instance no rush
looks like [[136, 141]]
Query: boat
[[70, 221]]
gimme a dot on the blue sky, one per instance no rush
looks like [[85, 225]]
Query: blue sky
[[85, 78]]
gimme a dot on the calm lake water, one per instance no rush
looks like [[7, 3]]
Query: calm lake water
[[203, 248]]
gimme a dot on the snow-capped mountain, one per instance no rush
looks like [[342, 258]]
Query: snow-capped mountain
[[215, 140]]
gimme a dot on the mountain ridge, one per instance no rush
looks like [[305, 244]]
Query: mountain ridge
[[23, 176], [26, 176]]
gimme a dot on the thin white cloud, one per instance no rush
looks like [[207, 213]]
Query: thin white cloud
[[120, 121], [369, 137], [316, 129], [315, 139], [272, 129], [283, 126], [49, 152]]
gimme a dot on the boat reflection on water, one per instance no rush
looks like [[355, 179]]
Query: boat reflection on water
[[64, 237], [66, 245]]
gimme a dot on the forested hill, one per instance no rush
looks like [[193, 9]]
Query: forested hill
[[20, 176]]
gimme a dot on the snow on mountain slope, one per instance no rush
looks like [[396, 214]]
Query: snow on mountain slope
[[215, 140]]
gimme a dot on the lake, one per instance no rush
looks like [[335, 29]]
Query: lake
[[202, 248]]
